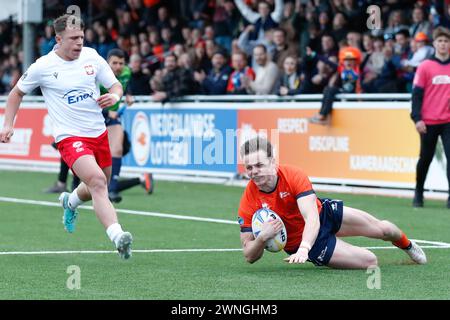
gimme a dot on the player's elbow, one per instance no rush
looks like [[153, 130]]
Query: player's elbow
[[251, 258], [15, 97]]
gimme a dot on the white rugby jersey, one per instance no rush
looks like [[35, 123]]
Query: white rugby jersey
[[70, 90]]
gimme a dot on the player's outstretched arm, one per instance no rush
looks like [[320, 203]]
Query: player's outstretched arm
[[254, 247], [308, 208], [12, 105]]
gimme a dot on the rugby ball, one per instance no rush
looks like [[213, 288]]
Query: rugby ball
[[259, 218]]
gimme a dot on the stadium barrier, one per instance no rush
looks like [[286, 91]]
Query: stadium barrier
[[370, 142]]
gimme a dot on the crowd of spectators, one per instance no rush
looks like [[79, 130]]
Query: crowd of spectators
[[285, 47]]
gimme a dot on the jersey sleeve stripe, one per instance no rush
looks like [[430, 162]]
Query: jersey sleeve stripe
[[304, 194]]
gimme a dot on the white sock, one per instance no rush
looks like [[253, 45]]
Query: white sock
[[114, 231], [74, 201]]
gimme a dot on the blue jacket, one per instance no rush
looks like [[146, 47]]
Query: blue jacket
[[216, 83], [266, 25]]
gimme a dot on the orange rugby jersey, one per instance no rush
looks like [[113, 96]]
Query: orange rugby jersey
[[292, 184]]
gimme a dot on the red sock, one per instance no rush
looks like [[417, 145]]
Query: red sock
[[403, 242]]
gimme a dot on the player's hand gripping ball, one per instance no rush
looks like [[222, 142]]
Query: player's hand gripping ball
[[259, 217]]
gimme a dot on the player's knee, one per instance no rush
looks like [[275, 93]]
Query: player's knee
[[369, 260], [387, 229], [97, 182]]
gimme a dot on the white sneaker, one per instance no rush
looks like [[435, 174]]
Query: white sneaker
[[416, 253], [124, 245]]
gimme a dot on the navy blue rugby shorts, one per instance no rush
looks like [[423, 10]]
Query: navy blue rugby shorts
[[330, 223]]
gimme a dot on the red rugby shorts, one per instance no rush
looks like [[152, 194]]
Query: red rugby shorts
[[74, 147]]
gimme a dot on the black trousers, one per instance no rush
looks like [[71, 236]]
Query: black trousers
[[428, 143], [329, 93]]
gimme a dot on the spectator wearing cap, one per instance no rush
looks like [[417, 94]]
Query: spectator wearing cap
[[389, 39], [318, 78], [423, 51], [216, 81], [420, 24], [263, 19], [267, 73], [319, 65], [346, 80], [344, 54], [350, 74]]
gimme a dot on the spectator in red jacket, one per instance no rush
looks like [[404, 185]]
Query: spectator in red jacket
[[241, 71]]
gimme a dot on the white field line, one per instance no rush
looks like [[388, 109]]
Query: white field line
[[437, 243], [16, 253], [107, 251], [133, 212], [432, 244]]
